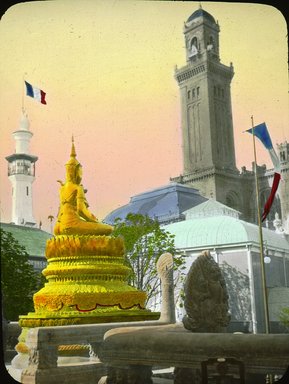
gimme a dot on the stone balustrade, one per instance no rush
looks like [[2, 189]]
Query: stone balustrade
[[44, 366], [143, 345], [125, 350]]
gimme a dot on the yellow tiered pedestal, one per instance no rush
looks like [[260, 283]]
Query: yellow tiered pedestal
[[87, 283]]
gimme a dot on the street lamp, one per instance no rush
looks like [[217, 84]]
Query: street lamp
[[267, 259]]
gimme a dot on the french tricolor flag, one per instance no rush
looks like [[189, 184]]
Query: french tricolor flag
[[36, 93], [262, 133]]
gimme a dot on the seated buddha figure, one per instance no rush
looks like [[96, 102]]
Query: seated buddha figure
[[74, 216]]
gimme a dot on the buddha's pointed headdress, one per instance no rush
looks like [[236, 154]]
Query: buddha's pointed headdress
[[72, 163]]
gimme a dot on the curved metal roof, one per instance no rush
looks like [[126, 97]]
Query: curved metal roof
[[211, 208], [165, 203], [222, 230]]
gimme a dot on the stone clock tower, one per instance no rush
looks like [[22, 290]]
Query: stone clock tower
[[205, 98], [206, 114], [207, 127]]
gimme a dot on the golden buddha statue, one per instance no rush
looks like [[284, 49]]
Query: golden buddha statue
[[86, 273], [74, 216]]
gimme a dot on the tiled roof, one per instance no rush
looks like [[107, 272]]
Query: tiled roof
[[33, 239]]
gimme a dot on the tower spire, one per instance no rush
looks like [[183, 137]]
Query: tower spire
[[73, 152]]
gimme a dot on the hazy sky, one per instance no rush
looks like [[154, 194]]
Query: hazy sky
[[108, 70]]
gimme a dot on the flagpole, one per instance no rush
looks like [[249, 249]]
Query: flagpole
[[23, 94], [23, 81], [263, 276]]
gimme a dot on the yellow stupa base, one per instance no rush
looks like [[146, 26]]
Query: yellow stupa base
[[87, 283], [33, 319]]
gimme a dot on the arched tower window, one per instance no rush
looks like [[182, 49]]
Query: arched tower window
[[193, 47], [189, 95], [27, 191], [198, 91], [194, 42], [210, 43], [233, 200]]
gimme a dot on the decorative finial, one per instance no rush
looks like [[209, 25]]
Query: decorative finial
[[73, 152], [200, 5], [72, 162], [24, 122]]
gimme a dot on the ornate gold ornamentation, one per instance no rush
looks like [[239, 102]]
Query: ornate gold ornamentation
[[86, 275]]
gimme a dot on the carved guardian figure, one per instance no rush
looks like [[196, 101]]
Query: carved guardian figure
[[206, 298]]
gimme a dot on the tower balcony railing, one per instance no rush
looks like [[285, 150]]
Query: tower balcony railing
[[21, 170]]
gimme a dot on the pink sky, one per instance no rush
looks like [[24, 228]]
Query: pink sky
[[108, 70]]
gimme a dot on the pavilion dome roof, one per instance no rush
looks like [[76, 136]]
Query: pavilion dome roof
[[211, 207], [166, 203], [222, 230]]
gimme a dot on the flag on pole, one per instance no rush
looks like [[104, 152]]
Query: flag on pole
[[261, 132], [36, 93]]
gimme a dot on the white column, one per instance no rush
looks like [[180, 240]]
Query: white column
[[252, 289]]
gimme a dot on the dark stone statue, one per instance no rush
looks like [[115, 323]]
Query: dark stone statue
[[206, 298], [206, 305]]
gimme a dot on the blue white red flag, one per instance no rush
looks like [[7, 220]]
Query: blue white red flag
[[261, 132], [36, 93]]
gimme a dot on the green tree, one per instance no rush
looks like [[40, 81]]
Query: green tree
[[145, 241], [18, 279]]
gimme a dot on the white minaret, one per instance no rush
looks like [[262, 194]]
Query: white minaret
[[21, 173]]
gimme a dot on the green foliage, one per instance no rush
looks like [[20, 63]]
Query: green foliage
[[284, 316], [18, 279], [145, 241]]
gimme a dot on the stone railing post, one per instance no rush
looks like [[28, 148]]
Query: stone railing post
[[165, 265], [42, 357]]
